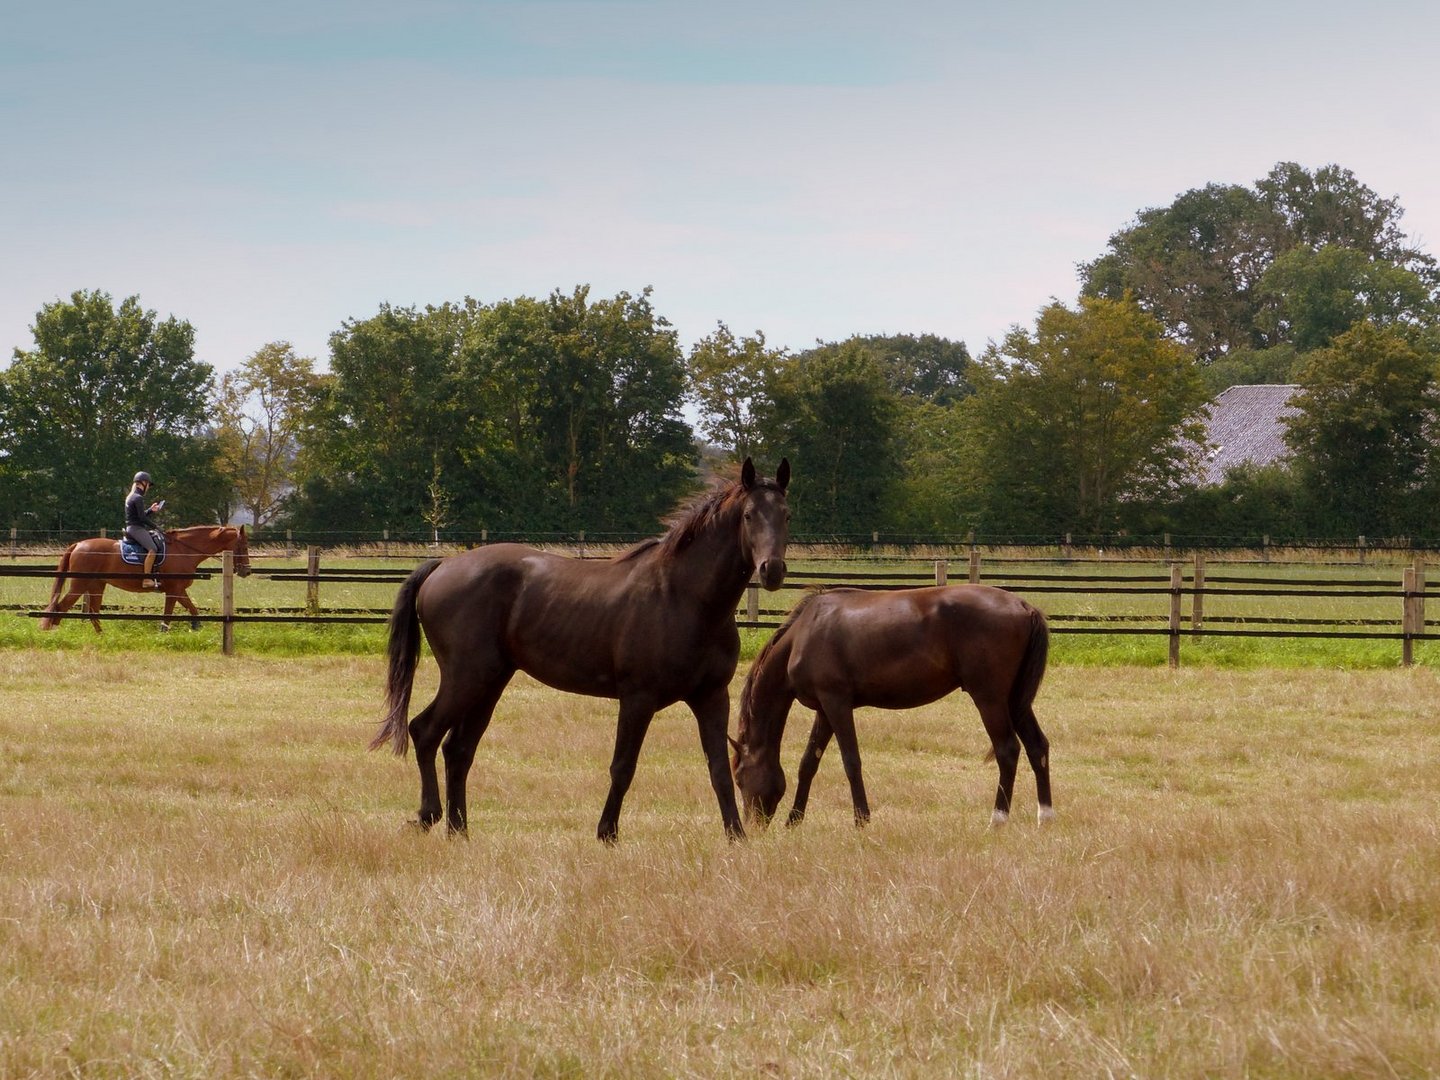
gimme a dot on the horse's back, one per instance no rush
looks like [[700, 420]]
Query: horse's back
[[911, 646], [574, 624]]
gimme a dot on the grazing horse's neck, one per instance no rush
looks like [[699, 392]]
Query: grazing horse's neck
[[767, 696]]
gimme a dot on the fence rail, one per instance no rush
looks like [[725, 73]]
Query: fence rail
[[1186, 586]]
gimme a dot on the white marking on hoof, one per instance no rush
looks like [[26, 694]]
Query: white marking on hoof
[[1047, 815], [998, 818]]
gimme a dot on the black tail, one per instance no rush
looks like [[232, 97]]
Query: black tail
[[403, 650], [1032, 666]]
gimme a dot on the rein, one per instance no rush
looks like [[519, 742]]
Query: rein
[[174, 540]]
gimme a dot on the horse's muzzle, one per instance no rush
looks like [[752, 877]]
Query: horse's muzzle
[[771, 573]]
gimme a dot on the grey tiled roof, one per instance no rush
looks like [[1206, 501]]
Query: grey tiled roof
[[1246, 426]]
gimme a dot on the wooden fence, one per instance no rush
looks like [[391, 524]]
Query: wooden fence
[[1179, 599]]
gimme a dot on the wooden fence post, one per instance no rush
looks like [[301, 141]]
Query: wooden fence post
[[14, 548], [385, 542], [289, 544], [227, 602], [1177, 582], [752, 602], [312, 586], [1197, 606], [974, 566], [1412, 621], [942, 571]]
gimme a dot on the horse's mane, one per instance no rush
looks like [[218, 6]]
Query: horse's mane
[[763, 656], [693, 518]]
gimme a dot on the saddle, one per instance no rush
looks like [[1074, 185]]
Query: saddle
[[134, 554]]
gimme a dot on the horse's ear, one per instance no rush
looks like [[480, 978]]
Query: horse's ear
[[747, 474], [782, 474]]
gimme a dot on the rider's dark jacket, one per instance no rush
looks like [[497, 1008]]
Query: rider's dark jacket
[[136, 513]]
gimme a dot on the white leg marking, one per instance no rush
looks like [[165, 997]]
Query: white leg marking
[[998, 818], [1047, 815]]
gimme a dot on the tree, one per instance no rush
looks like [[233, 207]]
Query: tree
[[527, 414], [1210, 266], [1317, 294], [728, 381], [260, 410], [1089, 411], [105, 392], [1363, 433], [384, 423], [836, 415]]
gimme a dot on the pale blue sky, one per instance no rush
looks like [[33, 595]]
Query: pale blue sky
[[268, 170]]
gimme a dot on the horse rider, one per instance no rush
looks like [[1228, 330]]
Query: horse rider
[[139, 521]]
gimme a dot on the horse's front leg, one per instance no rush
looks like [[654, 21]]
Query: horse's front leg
[[841, 716], [169, 608], [635, 716], [712, 714], [820, 733]]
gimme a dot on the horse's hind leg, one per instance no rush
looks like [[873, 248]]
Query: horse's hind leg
[[1037, 749], [92, 608], [426, 731], [64, 605], [840, 715], [820, 734], [996, 716], [459, 749]]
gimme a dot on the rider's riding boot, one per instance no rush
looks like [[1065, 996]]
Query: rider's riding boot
[[150, 582]]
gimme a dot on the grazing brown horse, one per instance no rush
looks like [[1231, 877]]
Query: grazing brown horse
[[93, 564], [651, 627], [844, 648]]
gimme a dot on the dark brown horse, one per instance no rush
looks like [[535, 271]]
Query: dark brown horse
[[844, 648], [185, 550], [651, 627]]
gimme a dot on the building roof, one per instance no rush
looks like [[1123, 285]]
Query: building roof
[[1246, 426]]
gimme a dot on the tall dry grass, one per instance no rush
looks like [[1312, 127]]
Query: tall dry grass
[[202, 873]]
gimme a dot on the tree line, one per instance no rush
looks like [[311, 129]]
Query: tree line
[[568, 412]]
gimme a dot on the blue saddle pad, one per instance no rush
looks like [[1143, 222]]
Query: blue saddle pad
[[134, 554]]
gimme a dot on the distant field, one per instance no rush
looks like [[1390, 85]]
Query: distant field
[[1084, 608], [203, 873]]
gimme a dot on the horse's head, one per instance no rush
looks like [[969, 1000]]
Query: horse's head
[[242, 554], [759, 779], [765, 524]]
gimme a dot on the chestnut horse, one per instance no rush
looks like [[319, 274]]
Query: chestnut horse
[[93, 564], [844, 648], [650, 627]]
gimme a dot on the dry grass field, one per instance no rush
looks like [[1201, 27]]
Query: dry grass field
[[203, 873]]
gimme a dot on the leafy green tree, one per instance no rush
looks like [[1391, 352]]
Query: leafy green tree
[[106, 391], [260, 409], [1317, 294], [1363, 434], [917, 368], [1210, 266], [728, 380], [1090, 410], [383, 426], [528, 414], [834, 412]]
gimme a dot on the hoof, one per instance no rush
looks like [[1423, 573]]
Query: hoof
[[1046, 815], [998, 818]]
